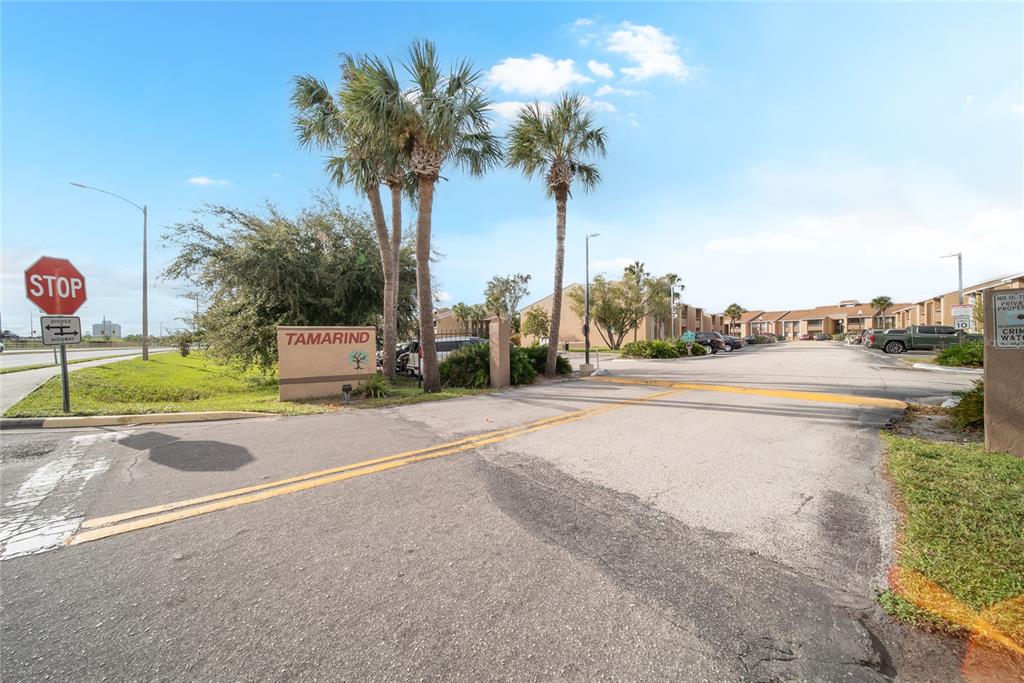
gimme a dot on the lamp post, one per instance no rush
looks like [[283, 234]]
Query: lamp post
[[145, 267], [959, 272], [586, 304]]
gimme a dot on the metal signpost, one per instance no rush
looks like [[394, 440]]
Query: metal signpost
[[61, 331], [688, 338], [962, 317], [58, 288]]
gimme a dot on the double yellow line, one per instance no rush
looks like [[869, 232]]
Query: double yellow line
[[113, 525]]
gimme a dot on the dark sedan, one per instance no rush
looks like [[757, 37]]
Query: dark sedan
[[713, 341], [733, 343]]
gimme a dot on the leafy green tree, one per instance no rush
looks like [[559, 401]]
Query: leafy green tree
[[734, 312], [366, 158], [536, 323], [617, 307], [881, 304], [557, 144], [503, 294], [438, 119], [469, 313], [265, 269], [978, 312]]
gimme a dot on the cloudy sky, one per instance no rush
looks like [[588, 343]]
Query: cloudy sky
[[779, 156]]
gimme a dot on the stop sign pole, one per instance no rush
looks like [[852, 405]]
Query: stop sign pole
[[58, 289]]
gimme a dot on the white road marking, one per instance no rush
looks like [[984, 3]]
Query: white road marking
[[24, 529]]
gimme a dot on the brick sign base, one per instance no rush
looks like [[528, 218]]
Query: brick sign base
[[315, 362]]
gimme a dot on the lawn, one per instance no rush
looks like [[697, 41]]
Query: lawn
[[964, 528], [170, 383]]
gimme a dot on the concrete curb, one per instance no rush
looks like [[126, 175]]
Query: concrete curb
[[117, 420], [940, 368]]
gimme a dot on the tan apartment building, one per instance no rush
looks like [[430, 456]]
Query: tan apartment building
[[853, 316], [686, 318], [938, 310]]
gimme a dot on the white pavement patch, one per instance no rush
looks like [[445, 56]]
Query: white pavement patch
[[26, 525]]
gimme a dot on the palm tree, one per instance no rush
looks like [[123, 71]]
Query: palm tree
[[439, 120], [365, 158], [558, 144], [734, 312], [881, 304]]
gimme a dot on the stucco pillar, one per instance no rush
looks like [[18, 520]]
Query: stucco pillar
[[501, 366], [1004, 371]]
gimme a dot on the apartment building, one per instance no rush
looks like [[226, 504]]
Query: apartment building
[[685, 318], [938, 310], [853, 316]]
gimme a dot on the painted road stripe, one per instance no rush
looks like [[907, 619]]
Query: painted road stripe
[[106, 527], [775, 393]]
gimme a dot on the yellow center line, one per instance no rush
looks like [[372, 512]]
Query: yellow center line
[[775, 393], [105, 527]]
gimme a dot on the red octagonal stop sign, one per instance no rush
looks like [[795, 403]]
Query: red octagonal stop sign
[[55, 286]]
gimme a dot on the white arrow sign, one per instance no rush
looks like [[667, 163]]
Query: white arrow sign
[[59, 330]]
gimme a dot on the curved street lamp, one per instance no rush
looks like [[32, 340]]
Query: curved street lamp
[[145, 272]]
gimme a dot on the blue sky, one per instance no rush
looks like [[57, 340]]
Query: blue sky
[[776, 155]]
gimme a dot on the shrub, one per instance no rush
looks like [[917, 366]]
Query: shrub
[[655, 348], [838, 336], [521, 370], [538, 356], [377, 386], [761, 339], [695, 348], [970, 412], [969, 354], [468, 367]]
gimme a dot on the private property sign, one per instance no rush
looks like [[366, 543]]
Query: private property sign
[[1008, 308], [315, 362]]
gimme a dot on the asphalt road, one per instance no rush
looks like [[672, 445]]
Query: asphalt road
[[600, 530], [18, 358]]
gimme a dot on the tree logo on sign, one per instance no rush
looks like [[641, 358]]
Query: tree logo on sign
[[357, 358]]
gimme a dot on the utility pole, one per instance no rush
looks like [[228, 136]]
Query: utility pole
[[586, 303], [960, 282], [145, 265]]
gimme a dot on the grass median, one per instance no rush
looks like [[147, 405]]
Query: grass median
[[170, 383], [963, 530], [39, 366]]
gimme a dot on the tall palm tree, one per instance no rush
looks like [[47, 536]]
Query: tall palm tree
[[440, 119], [557, 143], [881, 304], [734, 312], [366, 158]]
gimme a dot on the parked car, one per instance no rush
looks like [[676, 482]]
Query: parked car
[[806, 336], [713, 341], [733, 343], [409, 355], [918, 337]]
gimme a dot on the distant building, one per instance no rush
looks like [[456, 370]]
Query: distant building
[[106, 329]]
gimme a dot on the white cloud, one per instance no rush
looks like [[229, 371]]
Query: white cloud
[[600, 68], [277, 175], [580, 23], [509, 110], [1017, 108], [969, 99], [538, 75], [654, 52], [205, 182], [443, 296], [611, 90], [600, 105]]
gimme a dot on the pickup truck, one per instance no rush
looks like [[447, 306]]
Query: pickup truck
[[918, 338]]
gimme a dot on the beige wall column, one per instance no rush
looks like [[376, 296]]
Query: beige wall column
[[501, 366], [1004, 371]]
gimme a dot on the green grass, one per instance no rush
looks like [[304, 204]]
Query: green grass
[[169, 383], [37, 366], [964, 525]]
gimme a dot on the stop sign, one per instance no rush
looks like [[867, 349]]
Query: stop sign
[[55, 286]]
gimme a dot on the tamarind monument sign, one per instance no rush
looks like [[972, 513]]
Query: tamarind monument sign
[[316, 362]]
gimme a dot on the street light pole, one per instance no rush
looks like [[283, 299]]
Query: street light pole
[[145, 265], [586, 304], [959, 272]]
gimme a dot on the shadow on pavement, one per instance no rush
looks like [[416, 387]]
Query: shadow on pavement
[[190, 456]]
